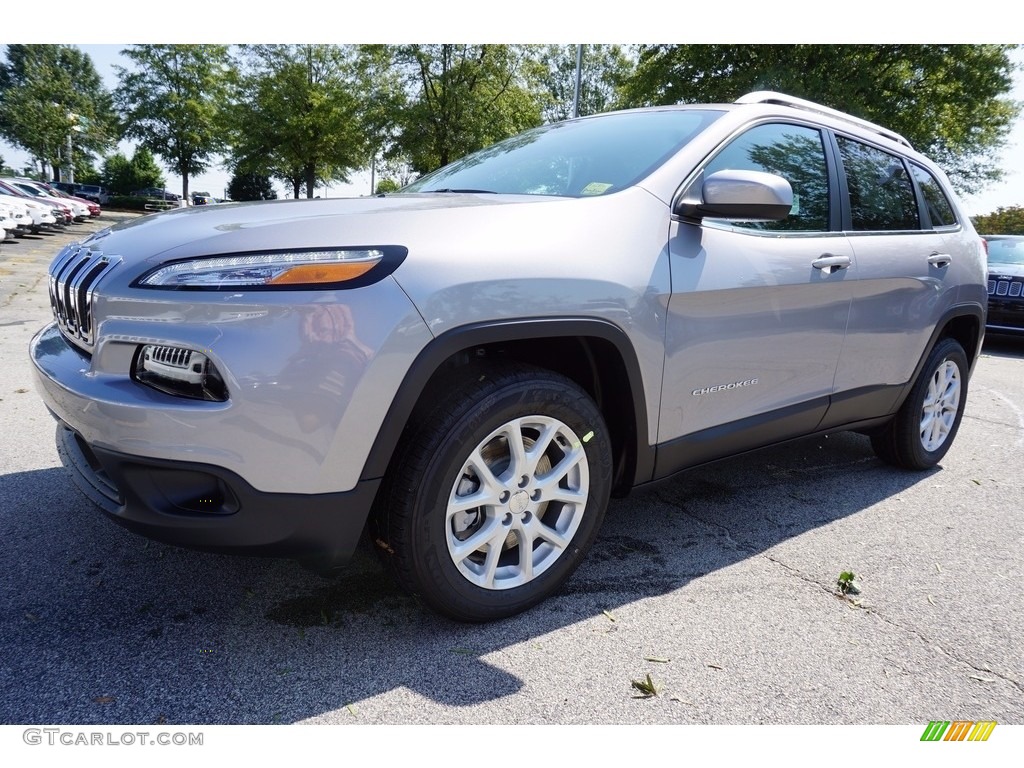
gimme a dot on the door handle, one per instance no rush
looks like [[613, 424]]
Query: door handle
[[828, 263], [940, 260]]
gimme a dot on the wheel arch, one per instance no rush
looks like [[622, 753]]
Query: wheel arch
[[966, 324], [594, 353]]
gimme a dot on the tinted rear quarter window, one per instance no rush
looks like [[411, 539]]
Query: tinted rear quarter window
[[939, 209]]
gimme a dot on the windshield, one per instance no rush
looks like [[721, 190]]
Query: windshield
[[578, 158], [1006, 250]]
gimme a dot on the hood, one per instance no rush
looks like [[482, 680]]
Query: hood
[[294, 224]]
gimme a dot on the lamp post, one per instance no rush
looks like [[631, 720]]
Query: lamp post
[[579, 78]]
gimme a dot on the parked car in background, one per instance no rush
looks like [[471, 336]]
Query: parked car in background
[[1005, 283], [159, 194], [45, 211], [41, 214], [7, 222], [66, 186], [79, 210], [473, 365], [18, 212], [203, 198], [94, 192]]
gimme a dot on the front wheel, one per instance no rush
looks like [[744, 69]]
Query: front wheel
[[925, 425], [496, 494]]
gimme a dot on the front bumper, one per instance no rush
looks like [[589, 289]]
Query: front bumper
[[206, 507], [1005, 315]]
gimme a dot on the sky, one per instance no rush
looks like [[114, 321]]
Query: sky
[[103, 36]]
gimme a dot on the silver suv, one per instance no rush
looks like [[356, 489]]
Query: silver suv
[[471, 367]]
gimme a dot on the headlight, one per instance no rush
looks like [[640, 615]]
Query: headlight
[[290, 269]]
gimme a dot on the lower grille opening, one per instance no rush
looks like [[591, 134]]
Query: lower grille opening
[[192, 493]]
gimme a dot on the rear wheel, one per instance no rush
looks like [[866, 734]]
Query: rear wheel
[[496, 494], [925, 426]]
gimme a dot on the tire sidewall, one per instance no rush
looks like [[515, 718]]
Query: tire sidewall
[[443, 586], [946, 350]]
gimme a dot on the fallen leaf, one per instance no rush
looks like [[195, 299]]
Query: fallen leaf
[[657, 659], [938, 568], [609, 615], [930, 600], [982, 679], [647, 687], [975, 482], [104, 699], [21, 390], [351, 709], [715, 666]]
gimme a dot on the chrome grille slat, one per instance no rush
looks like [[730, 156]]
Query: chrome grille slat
[[72, 279]]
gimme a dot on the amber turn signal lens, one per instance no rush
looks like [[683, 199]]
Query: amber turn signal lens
[[322, 273]]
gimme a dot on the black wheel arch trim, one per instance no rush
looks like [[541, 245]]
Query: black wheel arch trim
[[443, 347], [975, 311]]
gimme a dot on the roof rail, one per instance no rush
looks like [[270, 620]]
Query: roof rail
[[774, 97]]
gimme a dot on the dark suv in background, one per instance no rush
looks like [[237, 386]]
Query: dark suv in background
[[472, 366], [1005, 283]]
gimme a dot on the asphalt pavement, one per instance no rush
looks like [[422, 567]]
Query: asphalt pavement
[[720, 584]]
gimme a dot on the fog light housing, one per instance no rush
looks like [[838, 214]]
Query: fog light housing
[[179, 371]]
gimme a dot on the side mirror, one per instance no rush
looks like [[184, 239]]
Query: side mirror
[[734, 194]]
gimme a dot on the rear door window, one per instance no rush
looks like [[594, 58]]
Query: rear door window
[[881, 195]]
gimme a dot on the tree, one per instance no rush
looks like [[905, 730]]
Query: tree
[[50, 95], [170, 103], [251, 186], [605, 68], [297, 115], [122, 175], [460, 98], [950, 101], [1003, 221]]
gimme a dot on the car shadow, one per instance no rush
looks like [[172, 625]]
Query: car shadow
[[102, 626]]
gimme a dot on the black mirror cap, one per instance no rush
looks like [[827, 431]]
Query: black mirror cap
[[739, 195]]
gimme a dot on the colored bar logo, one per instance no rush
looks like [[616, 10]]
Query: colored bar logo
[[958, 730]]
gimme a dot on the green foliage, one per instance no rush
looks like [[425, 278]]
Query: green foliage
[[170, 102], [51, 92], [251, 186], [121, 175], [604, 70], [1004, 221], [460, 98], [296, 115], [950, 101], [386, 185], [127, 203]]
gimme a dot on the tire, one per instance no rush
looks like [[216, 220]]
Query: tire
[[927, 422], [496, 493]]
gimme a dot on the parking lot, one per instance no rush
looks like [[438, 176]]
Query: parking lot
[[719, 584]]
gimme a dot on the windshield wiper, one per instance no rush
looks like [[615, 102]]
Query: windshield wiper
[[476, 191]]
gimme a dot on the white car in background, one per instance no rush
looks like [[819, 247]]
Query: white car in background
[[41, 215], [79, 210], [17, 213], [7, 222]]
